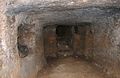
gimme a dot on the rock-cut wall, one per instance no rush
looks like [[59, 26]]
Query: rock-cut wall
[[22, 22]]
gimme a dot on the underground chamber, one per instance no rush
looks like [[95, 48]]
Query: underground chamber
[[61, 40], [58, 40], [68, 43], [60, 44]]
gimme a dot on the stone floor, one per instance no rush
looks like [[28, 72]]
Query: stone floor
[[70, 68]]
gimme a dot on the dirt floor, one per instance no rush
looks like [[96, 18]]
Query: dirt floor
[[70, 68]]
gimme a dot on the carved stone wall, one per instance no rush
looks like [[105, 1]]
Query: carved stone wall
[[33, 15]]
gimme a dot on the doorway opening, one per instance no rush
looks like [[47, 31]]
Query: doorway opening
[[58, 41], [64, 38], [67, 40]]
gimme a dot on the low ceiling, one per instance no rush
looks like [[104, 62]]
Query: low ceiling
[[19, 6], [60, 12]]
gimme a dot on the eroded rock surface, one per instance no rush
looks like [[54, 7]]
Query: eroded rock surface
[[101, 41]]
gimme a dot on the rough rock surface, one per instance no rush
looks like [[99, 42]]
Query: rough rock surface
[[71, 68], [35, 14]]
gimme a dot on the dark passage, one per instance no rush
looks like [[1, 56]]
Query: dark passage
[[64, 37], [67, 40]]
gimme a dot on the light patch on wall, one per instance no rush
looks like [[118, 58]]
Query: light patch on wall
[[85, 0], [70, 3]]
